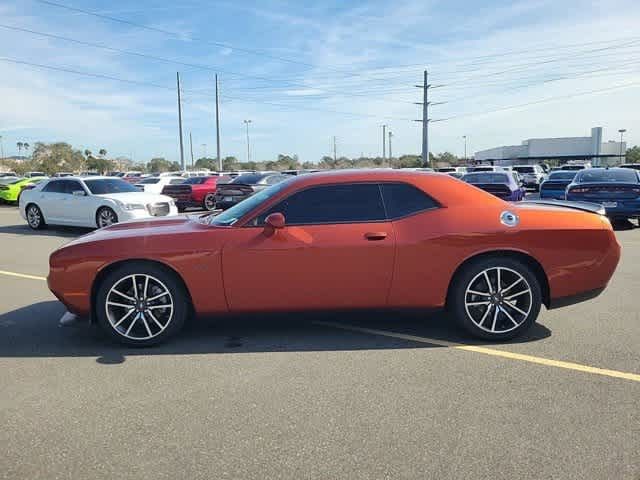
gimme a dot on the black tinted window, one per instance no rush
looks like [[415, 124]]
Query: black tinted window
[[72, 186], [401, 199], [332, 204], [55, 186], [249, 178]]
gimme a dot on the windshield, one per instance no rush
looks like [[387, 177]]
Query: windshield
[[109, 185], [524, 169], [559, 175], [486, 178], [248, 178], [603, 175], [149, 181], [229, 217], [195, 180]]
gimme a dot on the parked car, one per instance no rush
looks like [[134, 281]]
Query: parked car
[[130, 177], [633, 166], [35, 174], [194, 192], [11, 192], [532, 175], [90, 173], [5, 180], [616, 189], [156, 184], [63, 174], [90, 202], [244, 186], [8, 174], [341, 240], [555, 185], [503, 185], [575, 166], [462, 170]]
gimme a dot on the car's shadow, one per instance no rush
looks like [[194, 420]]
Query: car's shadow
[[57, 231], [621, 225], [34, 331]]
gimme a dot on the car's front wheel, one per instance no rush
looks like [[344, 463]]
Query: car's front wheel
[[495, 298], [141, 304], [105, 217], [35, 219], [209, 202]]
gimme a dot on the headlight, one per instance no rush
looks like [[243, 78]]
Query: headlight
[[130, 206]]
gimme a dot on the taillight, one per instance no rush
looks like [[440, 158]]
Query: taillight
[[579, 190]]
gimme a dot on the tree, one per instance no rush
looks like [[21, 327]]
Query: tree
[[25, 145], [19, 145], [54, 157], [102, 152], [206, 162], [100, 164], [633, 154], [87, 153], [159, 165]]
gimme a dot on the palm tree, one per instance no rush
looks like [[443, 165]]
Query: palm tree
[[87, 153], [102, 152], [25, 145], [19, 144]]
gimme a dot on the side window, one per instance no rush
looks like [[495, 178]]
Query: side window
[[346, 203], [401, 199], [274, 179], [71, 186], [176, 181], [55, 186]]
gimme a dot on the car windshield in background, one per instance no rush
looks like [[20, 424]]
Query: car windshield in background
[[149, 181], [229, 217], [109, 185], [604, 175], [249, 178], [486, 178], [562, 175], [524, 169], [195, 181]]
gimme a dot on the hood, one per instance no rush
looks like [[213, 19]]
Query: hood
[[143, 229], [137, 197]]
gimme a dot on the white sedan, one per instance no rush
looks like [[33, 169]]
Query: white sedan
[[156, 184], [90, 202]]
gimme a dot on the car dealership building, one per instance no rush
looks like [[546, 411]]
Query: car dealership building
[[538, 150]]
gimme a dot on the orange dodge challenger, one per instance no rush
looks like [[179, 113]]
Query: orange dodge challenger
[[358, 239]]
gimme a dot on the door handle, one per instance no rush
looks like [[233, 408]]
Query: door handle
[[372, 236]]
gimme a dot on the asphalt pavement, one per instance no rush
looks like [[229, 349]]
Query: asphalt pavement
[[377, 395]]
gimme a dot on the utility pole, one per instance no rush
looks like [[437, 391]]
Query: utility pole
[[390, 151], [219, 158], [335, 156], [1, 149], [425, 121], [384, 142], [465, 147], [247, 122], [180, 122], [621, 132], [191, 147]]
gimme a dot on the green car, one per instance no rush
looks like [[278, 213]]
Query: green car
[[10, 192]]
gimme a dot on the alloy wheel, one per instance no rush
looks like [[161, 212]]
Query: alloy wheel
[[106, 217], [498, 300], [210, 202], [34, 217], [139, 307]]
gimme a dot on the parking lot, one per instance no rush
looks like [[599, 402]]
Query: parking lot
[[358, 396]]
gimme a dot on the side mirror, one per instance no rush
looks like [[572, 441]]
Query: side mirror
[[272, 223], [79, 193]]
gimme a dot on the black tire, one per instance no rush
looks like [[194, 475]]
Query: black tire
[[209, 202], [120, 278], [474, 318], [101, 216], [35, 218]]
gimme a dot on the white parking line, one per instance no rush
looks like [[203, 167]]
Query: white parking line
[[22, 275], [490, 351]]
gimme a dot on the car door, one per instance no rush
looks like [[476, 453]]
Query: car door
[[49, 200], [336, 251], [77, 209]]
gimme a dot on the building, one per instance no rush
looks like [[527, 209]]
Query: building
[[538, 150]]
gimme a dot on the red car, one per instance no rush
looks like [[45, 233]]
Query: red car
[[194, 192], [341, 240]]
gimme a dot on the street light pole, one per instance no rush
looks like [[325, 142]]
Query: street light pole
[[465, 147], [621, 132], [247, 122], [1, 149]]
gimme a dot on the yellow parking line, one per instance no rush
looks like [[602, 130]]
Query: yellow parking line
[[489, 351], [22, 275]]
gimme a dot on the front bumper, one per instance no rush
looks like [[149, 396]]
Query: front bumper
[[140, 214]]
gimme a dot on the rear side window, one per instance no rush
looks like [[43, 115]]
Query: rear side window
[[72, 186], [402, 199], [56, 186], [344, 203]]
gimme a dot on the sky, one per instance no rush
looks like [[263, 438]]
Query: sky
[[103, 74]]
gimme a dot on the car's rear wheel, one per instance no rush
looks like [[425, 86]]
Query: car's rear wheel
[[105, 216], [141, 304], [495, 298], [209, 202], [35, 219]]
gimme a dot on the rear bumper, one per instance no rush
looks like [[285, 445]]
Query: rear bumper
[[573, 299], [553, 194], [624, 208]]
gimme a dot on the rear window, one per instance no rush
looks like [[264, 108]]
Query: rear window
[[195, 180], [401, 199], [560, 175], [486, 178], [149, 181], [604, 175], [524, 169], [249, 178]]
